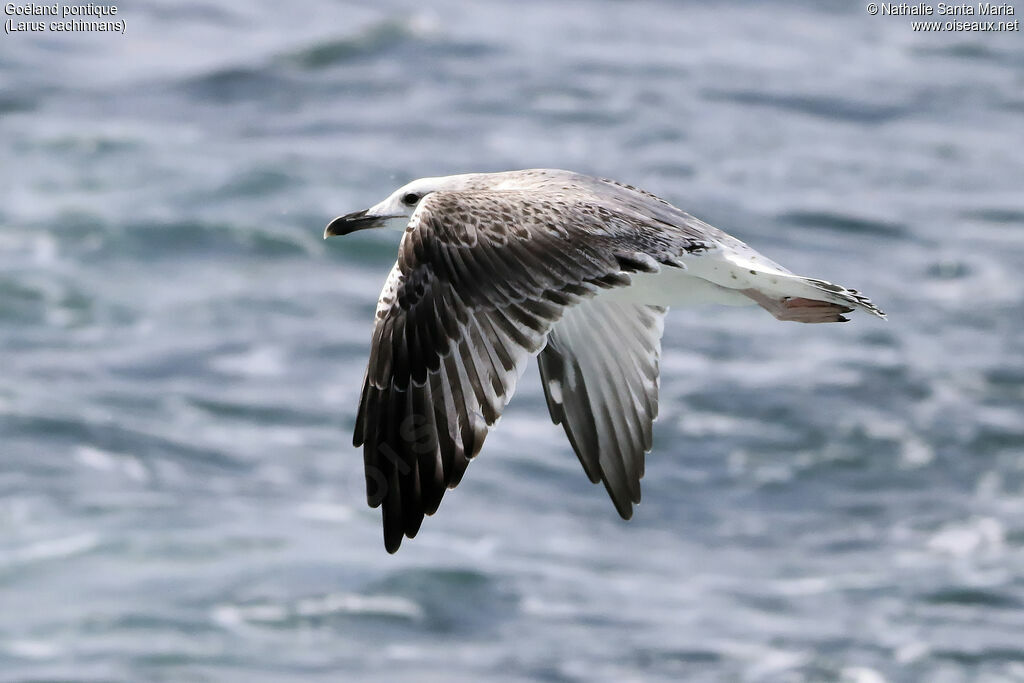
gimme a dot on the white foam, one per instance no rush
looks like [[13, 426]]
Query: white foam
[[56, 548], [261, 361], [325, 512], [237, 616], [977, 535], [775, 662], [352, 603], [107, 461], [861, 674], [32, 649], [912, 652]]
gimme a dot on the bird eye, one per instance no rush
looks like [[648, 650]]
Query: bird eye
[[410, 198]]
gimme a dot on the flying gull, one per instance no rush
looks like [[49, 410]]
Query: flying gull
[[494, 268]]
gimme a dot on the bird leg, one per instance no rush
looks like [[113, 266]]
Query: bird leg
[[798, 309]]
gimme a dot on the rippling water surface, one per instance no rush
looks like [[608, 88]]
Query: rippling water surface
[[181, 353]]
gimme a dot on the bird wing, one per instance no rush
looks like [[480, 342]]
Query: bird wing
[[600, 376], [480, 279]]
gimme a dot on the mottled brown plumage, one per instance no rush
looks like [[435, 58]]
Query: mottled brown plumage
[[495, 268], [480, 279]]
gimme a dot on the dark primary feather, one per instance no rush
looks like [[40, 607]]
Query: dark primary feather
[[480, 279]]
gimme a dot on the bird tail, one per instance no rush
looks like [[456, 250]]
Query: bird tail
[[843, 296], [808, 300], [784, 294]]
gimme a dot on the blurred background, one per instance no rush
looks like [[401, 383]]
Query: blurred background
[[181, 352]]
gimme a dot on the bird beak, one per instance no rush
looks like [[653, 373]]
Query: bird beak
[[350, 222]]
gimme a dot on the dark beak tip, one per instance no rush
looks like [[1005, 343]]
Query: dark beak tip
[[350, 222], [332, 228]]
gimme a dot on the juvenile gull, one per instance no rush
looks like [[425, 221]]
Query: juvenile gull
[[494, 268]]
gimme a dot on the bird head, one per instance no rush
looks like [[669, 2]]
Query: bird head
[[395, 211]]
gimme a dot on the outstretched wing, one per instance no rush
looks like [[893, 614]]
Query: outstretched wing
[[480, 279], [600, 376]]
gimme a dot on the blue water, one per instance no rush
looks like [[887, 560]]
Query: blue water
[[181, 353]]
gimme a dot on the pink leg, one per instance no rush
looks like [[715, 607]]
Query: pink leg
[[800, 310]]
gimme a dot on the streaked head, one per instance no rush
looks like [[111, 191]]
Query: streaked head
[[394, 212]]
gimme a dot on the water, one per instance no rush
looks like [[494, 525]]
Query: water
[[181, 353]]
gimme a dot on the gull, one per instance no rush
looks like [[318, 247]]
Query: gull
[[495, 268]]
